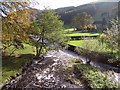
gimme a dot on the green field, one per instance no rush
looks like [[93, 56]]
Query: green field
[[70, 32], [78, 43], [12, 64], [90, 44], [82, 34]]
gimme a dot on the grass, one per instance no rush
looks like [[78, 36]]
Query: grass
[[78, 43], [69, 30], [89, 76], [27, 50], [82, 34], [12, 64], [90, 44], [81, 43], [100, 52]]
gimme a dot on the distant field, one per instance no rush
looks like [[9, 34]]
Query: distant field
[[70, 32], [82, 34], [77, 43], [80, 43], [91, 44]]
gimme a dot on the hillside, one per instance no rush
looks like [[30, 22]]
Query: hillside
[[97, 10]]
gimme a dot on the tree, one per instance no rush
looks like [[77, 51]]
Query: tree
[[15, 23], [81, 20], [48, 32], [112, 37], [9, 7], [15, 28]]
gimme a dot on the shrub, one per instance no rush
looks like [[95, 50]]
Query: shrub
[[95, 78]]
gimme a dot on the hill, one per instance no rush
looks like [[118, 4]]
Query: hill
[[97, 10]]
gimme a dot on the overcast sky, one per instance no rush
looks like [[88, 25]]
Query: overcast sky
[[53, 4], [61, 3]]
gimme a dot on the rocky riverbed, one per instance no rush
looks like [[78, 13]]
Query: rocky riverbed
[[47, 73], [50, 72]]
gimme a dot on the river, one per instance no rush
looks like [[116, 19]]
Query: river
[[65, 56]]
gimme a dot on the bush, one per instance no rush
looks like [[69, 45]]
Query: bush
[[95, 78]]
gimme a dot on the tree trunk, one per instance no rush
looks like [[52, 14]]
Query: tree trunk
[[37, 55], [39, 49], [112, 50], [38, 52]]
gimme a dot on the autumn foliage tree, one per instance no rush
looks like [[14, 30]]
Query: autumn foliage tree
[[15, 27], [82, 20], [15, 23]]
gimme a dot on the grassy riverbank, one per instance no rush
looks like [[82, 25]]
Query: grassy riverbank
[[12, 64], [90, 76], [90, 44]]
